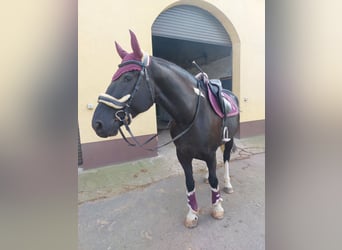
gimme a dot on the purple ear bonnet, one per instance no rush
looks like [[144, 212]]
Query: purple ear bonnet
[[125, 56]]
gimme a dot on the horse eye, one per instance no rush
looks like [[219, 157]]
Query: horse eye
[[127, 78]]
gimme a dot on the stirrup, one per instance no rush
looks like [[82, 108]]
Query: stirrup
[[225, 137]]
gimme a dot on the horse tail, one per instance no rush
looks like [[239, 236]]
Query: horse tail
[[233, 150]]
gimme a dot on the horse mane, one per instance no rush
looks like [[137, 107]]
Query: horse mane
[[175, 68]]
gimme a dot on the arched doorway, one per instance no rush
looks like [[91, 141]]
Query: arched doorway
[[184, 33]]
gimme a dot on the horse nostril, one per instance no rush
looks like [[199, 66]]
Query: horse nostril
[[98, 125]]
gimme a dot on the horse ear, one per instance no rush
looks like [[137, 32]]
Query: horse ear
[[135, 45], [122, 53]]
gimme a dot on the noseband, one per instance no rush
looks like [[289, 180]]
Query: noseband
[[123, 104]]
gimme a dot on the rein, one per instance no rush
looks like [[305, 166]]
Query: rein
[[124, 103]]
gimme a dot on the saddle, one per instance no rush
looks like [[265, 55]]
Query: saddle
[[221, 102]]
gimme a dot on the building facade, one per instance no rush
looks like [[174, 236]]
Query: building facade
[[227, 38]]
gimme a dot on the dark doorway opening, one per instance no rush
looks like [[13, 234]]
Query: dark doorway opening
[[183, 52], [227, 83]]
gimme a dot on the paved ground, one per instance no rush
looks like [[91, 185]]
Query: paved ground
[[142, 205]]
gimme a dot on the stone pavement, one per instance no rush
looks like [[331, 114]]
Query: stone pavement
[[142, 204]]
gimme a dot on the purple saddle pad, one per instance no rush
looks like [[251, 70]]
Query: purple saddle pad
[[233, 110]]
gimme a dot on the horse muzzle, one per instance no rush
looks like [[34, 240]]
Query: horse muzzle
[[105, 131], [121, 117]]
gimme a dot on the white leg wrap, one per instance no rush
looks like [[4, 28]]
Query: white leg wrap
[[191, 218], [192, 215]]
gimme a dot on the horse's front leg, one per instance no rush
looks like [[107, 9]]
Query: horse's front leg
[[191, 218], [216, 200]]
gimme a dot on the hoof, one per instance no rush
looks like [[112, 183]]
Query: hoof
[[191, 219], [191, 223], [217, 211], [217, 214], [228, 190]]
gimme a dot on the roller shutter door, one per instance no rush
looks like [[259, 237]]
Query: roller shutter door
[[190, 23]]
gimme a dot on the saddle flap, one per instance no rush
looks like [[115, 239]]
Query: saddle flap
[[215, 86], [228, 106]]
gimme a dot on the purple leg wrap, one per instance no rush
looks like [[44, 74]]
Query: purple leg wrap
[[192, 201], [215, 196]]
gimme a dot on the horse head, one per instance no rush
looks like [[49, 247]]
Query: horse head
[[128, 94]]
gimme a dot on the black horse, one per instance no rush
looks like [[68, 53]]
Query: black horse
[[142, 80]]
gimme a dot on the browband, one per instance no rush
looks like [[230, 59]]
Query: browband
[[145, 61], [131, 62]]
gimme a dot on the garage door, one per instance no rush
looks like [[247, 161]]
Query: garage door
[[190, 23]]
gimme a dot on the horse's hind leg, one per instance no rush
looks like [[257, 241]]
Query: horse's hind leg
[[192, 216], [228, 188], [217, 209], [205, 177]]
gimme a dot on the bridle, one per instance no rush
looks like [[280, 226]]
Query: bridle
[[123, 105]]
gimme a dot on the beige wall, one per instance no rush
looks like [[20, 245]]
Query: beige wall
[[103, 22]]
